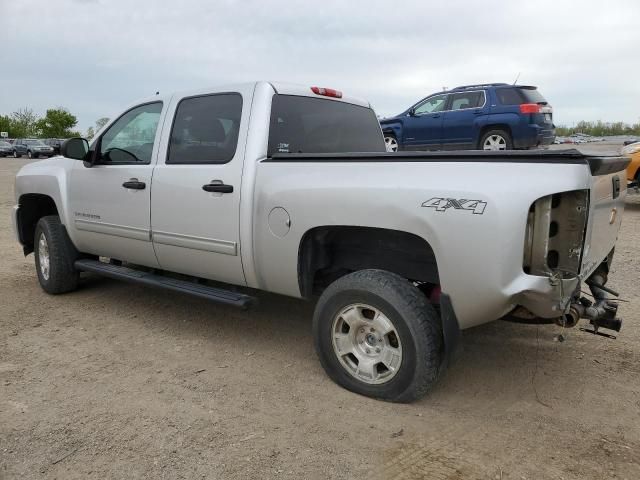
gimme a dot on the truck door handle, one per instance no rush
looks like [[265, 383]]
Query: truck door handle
[[134, 184], [218, 188]]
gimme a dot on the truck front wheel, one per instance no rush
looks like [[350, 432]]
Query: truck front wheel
[[54, 256], [376, 334]]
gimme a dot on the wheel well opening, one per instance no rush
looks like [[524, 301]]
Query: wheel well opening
[[33, 207], [328, 253], [497, 126]]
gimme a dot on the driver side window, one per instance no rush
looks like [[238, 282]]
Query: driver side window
[[431, 105], [130, 139]]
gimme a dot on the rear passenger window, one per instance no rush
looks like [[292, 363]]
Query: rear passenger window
[[509, 96], [205, 129], [460, 101]]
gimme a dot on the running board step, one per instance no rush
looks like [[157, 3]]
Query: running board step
[[146, 278]]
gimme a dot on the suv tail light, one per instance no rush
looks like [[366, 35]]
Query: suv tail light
[[530, 108], [326, 92]]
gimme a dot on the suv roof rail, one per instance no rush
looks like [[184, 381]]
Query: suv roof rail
[[478, 85]]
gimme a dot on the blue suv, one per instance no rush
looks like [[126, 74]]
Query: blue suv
[[495, 116]]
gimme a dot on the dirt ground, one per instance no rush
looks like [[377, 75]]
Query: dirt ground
[[119, 381]]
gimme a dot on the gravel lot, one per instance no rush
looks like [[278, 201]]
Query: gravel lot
[[118, 381]]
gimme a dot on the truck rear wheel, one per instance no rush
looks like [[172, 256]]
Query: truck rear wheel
[[377, 335], [54, 256]]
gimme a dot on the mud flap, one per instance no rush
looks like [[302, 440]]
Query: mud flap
[[450, 330]]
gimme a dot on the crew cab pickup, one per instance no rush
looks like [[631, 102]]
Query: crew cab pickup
[[250, 185]]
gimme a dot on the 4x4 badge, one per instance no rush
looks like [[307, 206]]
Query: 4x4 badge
[[442, 204]]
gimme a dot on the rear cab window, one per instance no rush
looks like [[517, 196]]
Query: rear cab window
[[302, 124]]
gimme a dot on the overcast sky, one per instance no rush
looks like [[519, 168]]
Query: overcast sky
[[96, 56]]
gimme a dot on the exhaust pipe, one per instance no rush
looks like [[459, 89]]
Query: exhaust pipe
[[602, 314]]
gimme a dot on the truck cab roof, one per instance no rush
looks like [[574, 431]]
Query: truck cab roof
[[282, 88]]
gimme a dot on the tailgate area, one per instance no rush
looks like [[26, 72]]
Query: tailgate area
[[606, 206]]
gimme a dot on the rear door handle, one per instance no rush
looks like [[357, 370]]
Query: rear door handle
[[218, 188], [134, 184]]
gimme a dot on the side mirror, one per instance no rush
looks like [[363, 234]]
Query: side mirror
[[76, 148], [412, 112]]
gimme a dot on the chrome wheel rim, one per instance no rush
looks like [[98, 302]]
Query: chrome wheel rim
[[43, 256], [367, 344], [391, 143], [495, 142]]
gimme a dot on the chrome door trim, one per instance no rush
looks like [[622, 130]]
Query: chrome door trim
[[195, 243], [113, 229]]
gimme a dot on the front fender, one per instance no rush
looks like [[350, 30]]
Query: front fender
[[394, 127], [47, 177]]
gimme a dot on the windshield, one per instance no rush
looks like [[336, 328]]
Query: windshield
[[34, 142], [314, 125], [5, 144]]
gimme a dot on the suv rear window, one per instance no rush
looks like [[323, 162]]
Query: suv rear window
[[519, 95], [314, 125]]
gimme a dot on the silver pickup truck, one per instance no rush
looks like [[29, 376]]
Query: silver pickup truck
[[249, 185]]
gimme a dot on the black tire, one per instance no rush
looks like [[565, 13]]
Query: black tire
[[15, 154], [62, 277], [29, 154], [391, 142], [417, 324], [508, 142]]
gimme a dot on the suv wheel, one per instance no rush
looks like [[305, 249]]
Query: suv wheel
[[377, 335], [391, 143], [54, 256], [496, 140], [15, 154], [29, 154]]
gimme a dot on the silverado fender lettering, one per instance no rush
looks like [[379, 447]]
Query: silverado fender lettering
[[442, 204]]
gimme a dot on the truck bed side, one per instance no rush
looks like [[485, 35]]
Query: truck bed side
[[478, 247]]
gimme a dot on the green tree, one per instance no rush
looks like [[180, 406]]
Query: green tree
[[90, 133], [599, 128], [24, 123], [101, 122], [5, 124], [57, 123]]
